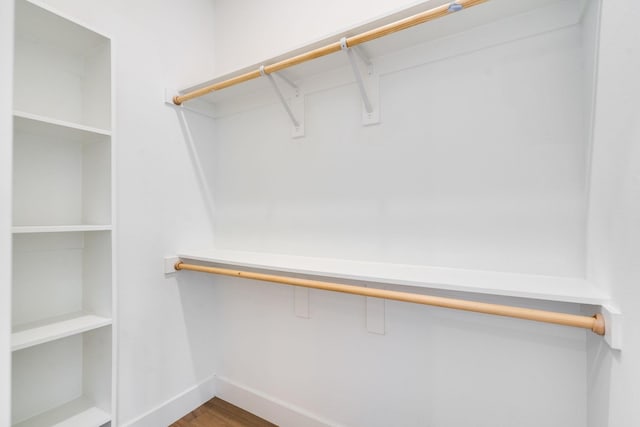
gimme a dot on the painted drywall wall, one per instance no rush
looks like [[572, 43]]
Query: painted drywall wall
[[614, 229], [403, 191], [418, 188], [164, 344], [247, 32], [6, 124]]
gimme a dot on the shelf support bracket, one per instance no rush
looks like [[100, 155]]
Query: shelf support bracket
[[297, 102], [368, 83], [376, 308], [613, 328], [301, 302]]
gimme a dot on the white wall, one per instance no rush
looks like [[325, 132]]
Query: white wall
[[452, 176], [614, 228], [419, 188], [6, 124], [247, 32], [165, 346], [434, 367]]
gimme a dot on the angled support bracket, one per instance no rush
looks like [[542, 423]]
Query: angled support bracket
[[368, 83], [296, 109]]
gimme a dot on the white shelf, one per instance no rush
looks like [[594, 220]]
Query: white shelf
[[51, 127], [54, 330], [78, 413], [551, 288], [518, 16], [25, 229]]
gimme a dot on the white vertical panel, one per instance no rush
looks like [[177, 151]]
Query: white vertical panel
[[47, 180], [96, 369], [46, 376], [47, 275], [61, 84], [96, 183], [6, 124], [614, 209], [97, 87], [96, 274]]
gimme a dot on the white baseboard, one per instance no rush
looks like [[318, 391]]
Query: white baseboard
[[176, 407], [271, 409]]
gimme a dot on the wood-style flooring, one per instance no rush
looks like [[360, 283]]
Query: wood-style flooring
[[218, 413]]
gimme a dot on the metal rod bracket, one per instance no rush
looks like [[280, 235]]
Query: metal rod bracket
[[297, 103], [367, 82]]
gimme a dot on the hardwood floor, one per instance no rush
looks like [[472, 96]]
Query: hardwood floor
[[218, 413]]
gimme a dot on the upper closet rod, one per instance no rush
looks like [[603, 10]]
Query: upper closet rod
[[402, 24], [594, 323]]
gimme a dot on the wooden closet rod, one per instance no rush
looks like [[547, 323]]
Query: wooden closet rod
[[595, 323], [402, 24]]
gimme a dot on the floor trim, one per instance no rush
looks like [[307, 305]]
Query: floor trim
[[176, 407], [268, 407]]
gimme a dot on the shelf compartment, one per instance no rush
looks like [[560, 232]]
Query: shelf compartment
[[66, 382], [59, 274], [550, 288], [61, 69], [55, 329], [62, 174]]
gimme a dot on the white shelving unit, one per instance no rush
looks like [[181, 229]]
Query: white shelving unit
[[530, 286], [62, 339]]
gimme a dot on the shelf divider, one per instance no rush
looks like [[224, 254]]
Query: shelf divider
[[25, 229], [42, 125]]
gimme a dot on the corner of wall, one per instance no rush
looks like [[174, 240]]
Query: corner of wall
[[177, 406]]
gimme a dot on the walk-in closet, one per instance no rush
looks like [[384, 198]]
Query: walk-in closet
[[304, 214]]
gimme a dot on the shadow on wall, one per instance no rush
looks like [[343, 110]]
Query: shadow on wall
[[197, 131], [197, 296], [600, 358]]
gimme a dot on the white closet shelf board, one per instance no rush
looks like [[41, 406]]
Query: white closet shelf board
[[25, 229], [58, 129], [550, 288], [54, 330], [77, 413], [509, 20]]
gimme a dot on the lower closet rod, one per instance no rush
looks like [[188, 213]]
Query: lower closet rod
[[595, 323]]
